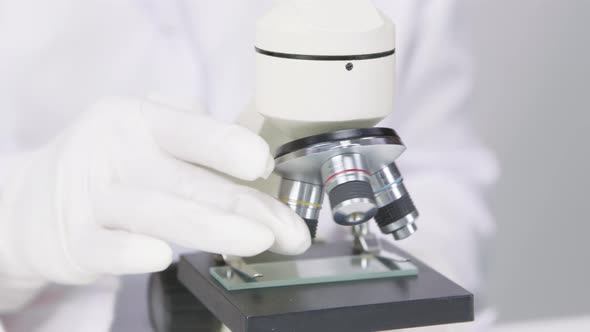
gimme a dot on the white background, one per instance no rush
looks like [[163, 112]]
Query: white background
[[532, 105]]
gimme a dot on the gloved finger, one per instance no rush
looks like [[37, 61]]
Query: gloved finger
[[290, 231], [190, 182], [184, 222], [120, 252], [201, 185], [203, 140]]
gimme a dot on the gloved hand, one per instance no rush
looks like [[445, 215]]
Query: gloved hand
[[107, 195]]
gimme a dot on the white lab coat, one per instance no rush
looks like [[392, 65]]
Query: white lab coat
[[58, 57]]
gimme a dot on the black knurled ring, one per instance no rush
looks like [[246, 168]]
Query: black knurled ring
[[395, 211]]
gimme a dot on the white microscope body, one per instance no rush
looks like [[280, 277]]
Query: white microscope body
[[325, 74], [324, 65]]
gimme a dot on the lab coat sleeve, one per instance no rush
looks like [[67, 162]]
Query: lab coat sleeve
[[15, 293], [446, 167]]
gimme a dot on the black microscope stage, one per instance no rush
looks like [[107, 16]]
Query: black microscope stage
[[351, 306]]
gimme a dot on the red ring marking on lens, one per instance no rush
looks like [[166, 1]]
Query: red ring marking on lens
[[358, 170]]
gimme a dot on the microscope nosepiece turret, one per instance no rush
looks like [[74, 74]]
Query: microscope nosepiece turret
[[356, 169]]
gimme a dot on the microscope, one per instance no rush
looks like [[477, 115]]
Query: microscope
[[325, 76]]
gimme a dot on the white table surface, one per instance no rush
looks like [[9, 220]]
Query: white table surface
[[573, 324]]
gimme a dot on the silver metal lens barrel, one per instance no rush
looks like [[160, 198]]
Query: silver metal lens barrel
[[397, 213], [303, 198], [348, 184], [387, 185]]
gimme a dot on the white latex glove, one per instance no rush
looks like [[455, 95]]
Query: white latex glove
[[107, 195]]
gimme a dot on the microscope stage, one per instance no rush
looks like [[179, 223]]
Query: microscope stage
[[352, 306]]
